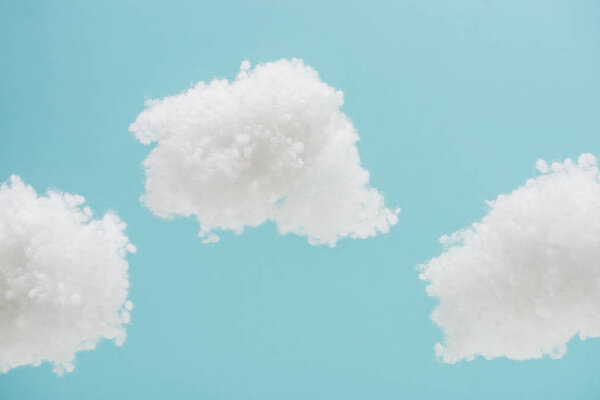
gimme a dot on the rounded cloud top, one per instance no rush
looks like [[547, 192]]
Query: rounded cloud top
[[270, 145], [526, 278], [63, 277]]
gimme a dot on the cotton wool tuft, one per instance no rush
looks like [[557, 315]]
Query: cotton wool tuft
[[63, 277], [526, 278], [270, 145]]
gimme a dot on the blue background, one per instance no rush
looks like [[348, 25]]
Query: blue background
[[454, 102]]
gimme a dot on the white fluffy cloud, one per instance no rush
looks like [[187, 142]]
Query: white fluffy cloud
[[270, 145], [63, 277], [526, 278]]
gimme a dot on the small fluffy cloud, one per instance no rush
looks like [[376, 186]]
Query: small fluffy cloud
[[63, 277], [526, 278], [270, 145]]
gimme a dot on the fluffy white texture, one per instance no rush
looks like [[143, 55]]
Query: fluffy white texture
[[63, 277], [526, 279], [271, 145]]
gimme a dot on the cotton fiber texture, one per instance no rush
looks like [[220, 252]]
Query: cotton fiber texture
[[526, 278], [270, 145], [63, 277]]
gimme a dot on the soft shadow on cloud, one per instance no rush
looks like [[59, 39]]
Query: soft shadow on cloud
[[270, 145], [526, 278], [63, 277]]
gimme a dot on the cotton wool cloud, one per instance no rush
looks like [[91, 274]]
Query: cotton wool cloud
[[525, 279], [270, 145], [63, 277]]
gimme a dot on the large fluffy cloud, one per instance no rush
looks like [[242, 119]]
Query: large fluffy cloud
[[270, 145], [63, 277], [526, 278]]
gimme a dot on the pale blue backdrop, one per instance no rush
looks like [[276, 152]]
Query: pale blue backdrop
[[453, 100]]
